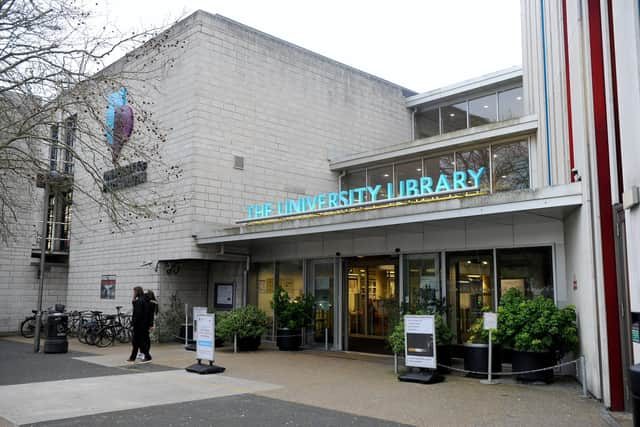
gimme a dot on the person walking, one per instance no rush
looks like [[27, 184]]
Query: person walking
[[152, 310], [139, 322]]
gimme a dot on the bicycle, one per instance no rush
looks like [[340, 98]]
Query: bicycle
[[113, 328], [90, 323], [28, 325]]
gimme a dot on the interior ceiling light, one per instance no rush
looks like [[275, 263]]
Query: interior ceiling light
[[419, 169], [485, 262], [485, 106], [452, 114], [519, 98], [386, 175]]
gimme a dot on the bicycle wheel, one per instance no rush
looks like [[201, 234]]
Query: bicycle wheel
[[124, 335], [82, 333], [104, 337], [28, 327], [91, 336]]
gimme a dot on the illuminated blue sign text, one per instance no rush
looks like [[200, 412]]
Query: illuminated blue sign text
[[425, 186]]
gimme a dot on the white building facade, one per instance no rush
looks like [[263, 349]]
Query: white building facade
[[306, 174]]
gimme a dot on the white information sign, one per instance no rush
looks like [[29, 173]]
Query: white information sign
[[205, 338], [490, 320], [224, 295], [420, 341], [197, 311]]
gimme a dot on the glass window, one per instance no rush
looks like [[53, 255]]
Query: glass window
[[470, 289], [263, 282], [510, 166], [69, 136], [323, 291], [381, 176], [290, 278], [528, 269], [510, 103], [483, 110], [407, 170], [435, 166], [422, 283], [427, 123], [454, 117], [474, 160], [355, 179]]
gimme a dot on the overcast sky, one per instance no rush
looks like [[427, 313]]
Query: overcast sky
[[421, 45]]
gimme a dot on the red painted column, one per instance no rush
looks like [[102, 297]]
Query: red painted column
[[603, 174]]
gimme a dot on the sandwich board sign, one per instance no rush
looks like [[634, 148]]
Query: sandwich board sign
[[205, 346], [205, 338], [197, 311], [420, 341]]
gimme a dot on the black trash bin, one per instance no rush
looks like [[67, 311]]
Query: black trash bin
[[56, 340], [634, 379]]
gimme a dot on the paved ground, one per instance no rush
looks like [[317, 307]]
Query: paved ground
[[241, 410], [269, 388]]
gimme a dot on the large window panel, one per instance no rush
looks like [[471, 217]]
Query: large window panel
[[290, 278], [483, 110], [407, 170], [422, 282], [474, 160], [435, 166], [454, 117], [510, 166], [355, 179], [510, 103], [261, 289], [379, 176], [529, 270], [427, 123]]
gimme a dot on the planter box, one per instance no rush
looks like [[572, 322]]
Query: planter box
[[443, 354], [528, 360], [476, 358], [248, 343], [289, 339]]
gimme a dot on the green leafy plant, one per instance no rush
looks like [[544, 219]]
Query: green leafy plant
[[478, 334], [395, 339], [247, 321], [536, 325], [293, 313], [169, 320]]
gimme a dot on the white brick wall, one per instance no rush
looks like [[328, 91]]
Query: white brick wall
[[232, 91]]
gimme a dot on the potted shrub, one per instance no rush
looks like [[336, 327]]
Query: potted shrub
[[248, 324], [476, 350], [444, 336], [292, 316], [538, 332]]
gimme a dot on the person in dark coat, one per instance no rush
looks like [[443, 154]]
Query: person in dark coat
[[140, 325], [152, 309]]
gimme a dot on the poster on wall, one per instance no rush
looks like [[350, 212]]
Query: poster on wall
[[223, 295], [420, 341], [205, 342], [108, 286]]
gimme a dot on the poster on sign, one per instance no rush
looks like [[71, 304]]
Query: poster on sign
[[197, 311], [205, 338], [420, 341]]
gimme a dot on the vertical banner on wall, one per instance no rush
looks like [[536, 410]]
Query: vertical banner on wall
[[420, 341]]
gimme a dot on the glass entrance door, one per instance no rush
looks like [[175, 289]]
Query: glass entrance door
[[470, 288], [372, 302], [322, 281]]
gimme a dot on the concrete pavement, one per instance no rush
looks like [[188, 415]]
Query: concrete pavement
[[341, 386]]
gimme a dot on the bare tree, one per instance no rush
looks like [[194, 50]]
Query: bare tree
[[55, 100]]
